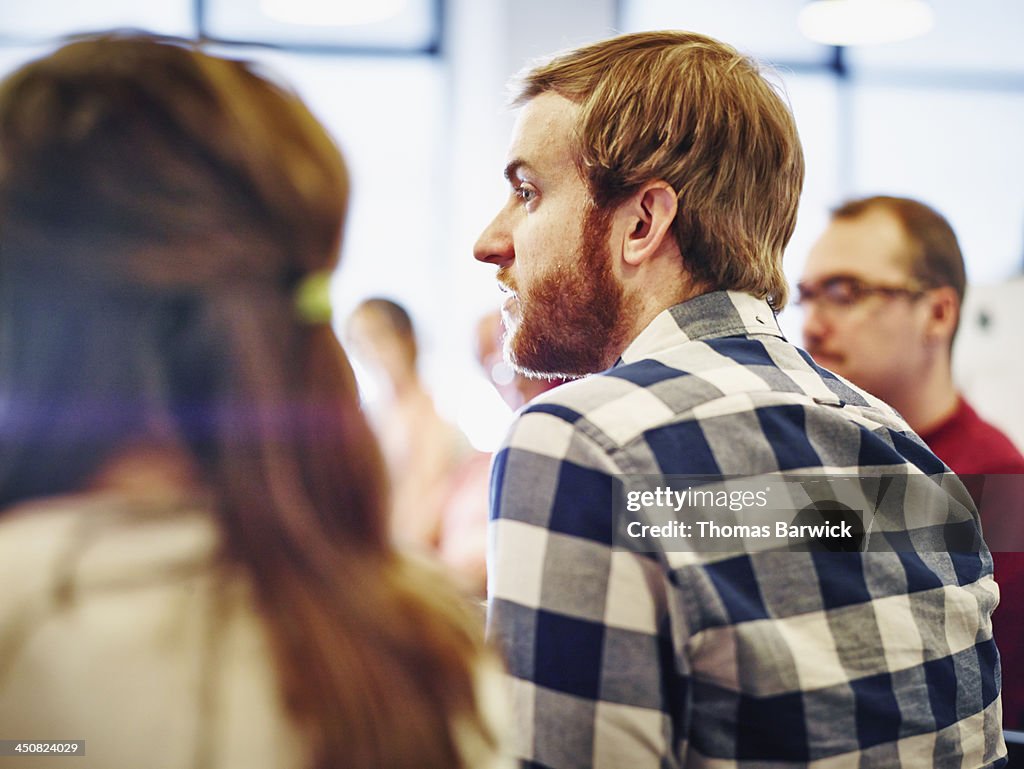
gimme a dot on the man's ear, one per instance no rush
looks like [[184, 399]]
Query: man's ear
[[649, 213], [943, 313]]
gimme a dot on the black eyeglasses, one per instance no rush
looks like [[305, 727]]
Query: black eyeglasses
[[846, 291]]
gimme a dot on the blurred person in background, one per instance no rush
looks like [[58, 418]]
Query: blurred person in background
[[882, 291], [421, 449], [515, 388], [653, 183], [463, 542], [195, 564]]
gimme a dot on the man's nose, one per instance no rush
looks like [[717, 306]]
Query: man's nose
[[494, 245]]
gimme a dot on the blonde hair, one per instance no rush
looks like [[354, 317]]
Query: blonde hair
[[691, 111]]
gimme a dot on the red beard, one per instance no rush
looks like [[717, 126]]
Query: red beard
[[569, 322]]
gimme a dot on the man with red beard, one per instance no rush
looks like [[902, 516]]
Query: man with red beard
[[654, 181]]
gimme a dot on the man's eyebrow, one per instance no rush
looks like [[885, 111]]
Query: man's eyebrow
[[840, 276], [512, 169]]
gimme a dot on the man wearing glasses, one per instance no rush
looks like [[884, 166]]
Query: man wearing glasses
[[881, 292]]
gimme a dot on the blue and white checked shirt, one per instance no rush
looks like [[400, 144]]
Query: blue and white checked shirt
[[774, 659]]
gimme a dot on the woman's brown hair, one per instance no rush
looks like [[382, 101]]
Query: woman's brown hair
[[159, 208]]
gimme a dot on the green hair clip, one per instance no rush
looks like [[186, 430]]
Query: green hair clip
[[313, 298]]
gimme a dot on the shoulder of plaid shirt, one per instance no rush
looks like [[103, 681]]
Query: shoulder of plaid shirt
[[773, 659]]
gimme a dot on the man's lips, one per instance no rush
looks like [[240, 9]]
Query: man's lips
[[825, 356], [507, 287], [505, 281]]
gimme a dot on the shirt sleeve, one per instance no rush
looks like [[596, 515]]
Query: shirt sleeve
[[583, 624]]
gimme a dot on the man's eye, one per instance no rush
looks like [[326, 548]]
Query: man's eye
[[842, 292], [525, 194]]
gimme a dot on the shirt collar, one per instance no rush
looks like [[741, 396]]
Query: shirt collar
[[708, 316]]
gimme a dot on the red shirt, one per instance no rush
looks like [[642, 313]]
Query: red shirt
[[973, 447]]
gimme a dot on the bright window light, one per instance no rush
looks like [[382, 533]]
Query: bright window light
[[332, 13], [397, 26], [864, 22]]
